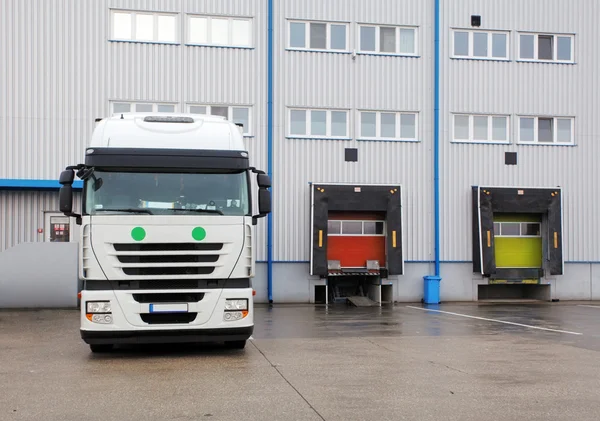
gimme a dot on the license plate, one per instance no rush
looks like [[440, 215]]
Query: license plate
[[168, 308]]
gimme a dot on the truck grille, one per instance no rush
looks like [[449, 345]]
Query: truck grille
[[167, 259], [155, 271], [168, 247], [178, 297]]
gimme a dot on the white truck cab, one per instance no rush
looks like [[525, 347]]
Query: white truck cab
[[166, 248]]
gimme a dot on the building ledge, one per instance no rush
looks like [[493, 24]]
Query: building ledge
[[33, 184]]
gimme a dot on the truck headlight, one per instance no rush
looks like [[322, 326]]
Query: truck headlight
[[235, 310], [94, 307], [236, 305], [98, 312]]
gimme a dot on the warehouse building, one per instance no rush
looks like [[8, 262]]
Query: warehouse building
[[404, 138]]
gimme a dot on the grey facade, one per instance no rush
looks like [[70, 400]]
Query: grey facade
[[62, 68]]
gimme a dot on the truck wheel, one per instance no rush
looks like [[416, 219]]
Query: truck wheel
[[101, 348], [235, 344]]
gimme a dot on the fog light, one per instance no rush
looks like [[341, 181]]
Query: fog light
[[232, 316], [102, 318], [98, 307]]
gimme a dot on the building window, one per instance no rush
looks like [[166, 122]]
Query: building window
[[321, 36], [144, 27], [142, 107], [480, 44], [481, 128], [219, 31], [318, 123], [517, 229], [384, 125], [239, 115], [546, 130], [355, 228], [545, 47], [387, 40]]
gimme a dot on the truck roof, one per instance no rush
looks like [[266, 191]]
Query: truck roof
[[167, 131]]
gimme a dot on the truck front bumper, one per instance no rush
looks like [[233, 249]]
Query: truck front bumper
[[95, 337]]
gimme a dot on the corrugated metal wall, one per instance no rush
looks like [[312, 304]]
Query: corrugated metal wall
[[59, 72], [22, 213], [315, 79], [514, 88]]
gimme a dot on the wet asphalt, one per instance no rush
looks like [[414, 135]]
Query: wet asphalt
[[404, 362]]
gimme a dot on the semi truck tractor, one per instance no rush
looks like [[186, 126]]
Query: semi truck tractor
[[167, 238]]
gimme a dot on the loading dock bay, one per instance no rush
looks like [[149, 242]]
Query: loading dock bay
[[305, 362]]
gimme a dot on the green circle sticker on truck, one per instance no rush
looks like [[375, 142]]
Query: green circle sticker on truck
[[199, 233], [138, 233]]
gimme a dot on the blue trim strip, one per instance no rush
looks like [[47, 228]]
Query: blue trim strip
[[270, 124], [573, 262], [436, 138], [28, 184]]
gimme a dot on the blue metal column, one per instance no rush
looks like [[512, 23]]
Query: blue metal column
[[270, 144], [431, 290], [436, 138]]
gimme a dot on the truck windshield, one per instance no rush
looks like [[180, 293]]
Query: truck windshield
[[166, 193]]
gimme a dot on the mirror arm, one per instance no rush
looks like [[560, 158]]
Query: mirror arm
[[256, 171]]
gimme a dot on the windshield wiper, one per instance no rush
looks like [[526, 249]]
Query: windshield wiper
[[217, 211], [130, 210]]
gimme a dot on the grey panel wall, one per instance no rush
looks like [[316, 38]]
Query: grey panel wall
[[49, 283], [517, 88], [60, 71], [23, 212], [330, 80]]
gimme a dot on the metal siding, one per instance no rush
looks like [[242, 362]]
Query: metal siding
[[515, 88], [333, 80], [22, 213], [60, 71]]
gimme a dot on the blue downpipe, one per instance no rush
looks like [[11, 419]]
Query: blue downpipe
[[436, 138], [270, 145]]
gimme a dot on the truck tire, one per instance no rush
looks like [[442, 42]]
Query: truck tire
[[235, 344], [101, 348]]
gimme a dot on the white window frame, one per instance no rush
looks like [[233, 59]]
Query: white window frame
[[378, 51], [230, 108], [134, 103], [398, 129], [362, 234], [471, 138], [133, 14], [554, 130], [471, 45], [307, 46], [327, 134], [521, 229], [554, 46], [209, 42]]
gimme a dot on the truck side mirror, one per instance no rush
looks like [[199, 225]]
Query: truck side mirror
[[65, 194], [66, 177], [263, 181], [65, 199], [264, 202]]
